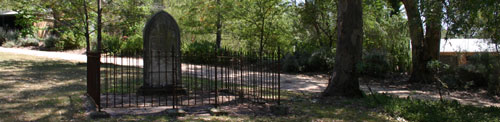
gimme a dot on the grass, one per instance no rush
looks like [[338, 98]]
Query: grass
[[42, 89], [432, 111]]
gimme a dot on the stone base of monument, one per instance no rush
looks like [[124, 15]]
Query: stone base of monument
[[169, 90]]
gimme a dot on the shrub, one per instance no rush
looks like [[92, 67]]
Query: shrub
[[322, 60], [305, 61], [132, 45], [21, 42], [10, 44], [10, 37], [199, 47], [3, 34], [290, 64], [481, 71], [481, 68], [69, 40], [199, 51], [28, 41], [375, 64], [111, 43], [50, 42], [437, 66]]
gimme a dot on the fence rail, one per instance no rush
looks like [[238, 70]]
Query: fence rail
[[207, 79]]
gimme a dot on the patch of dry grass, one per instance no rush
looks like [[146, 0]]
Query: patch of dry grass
[[40, 89]]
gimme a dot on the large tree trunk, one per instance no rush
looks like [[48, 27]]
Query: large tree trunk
[[349, 50], [433, 29], [424, 48]]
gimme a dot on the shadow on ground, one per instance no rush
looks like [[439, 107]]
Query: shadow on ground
[[39, 89]]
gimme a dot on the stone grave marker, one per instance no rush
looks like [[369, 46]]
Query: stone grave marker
[[162, 67]]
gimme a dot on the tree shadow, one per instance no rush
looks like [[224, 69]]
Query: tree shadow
[[41, 90]]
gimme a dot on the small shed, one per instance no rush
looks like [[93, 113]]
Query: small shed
[[8, 20], [455, 51]]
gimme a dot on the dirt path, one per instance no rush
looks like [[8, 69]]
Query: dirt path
[[57, 55], [313, 83]]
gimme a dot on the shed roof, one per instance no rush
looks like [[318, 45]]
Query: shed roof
[[8, 12], [467, 45]]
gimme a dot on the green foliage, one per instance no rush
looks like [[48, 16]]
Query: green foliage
[[436, 66], [111, 43], [305, 61], [317, 24], [28, 41], [3, 35], [375, 64], [481, 71], [202, 51], [12, 39], [291, 64], [9, 44], [6, 36], [126, 17], [432, 111], [50, 42], [122, 45], [387, 33], [486, 68], [132, 45], [25, 18], [321, 61], [199, 47], [69, 40], [473, 19]]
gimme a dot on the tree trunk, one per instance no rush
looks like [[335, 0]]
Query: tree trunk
[[99, 25], [87, 35], [219, 25], [262, 35], [349, 50], [424, 48], [433, 30]]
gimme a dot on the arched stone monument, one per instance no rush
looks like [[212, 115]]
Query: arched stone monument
[[162, 67]]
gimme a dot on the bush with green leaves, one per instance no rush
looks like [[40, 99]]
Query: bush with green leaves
[[291, 64], [9, 38], [67, 41], [9, 44], [132, 45], [481, 71], [375, 64], [49, 43], [111, 43], [199, 51], [309, 61], [484, 70], [20, 42], [28, 41], [199, 47], [3, 33], [321, 60]]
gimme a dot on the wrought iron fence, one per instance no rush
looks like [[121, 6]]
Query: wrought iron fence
[[207, 79]]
